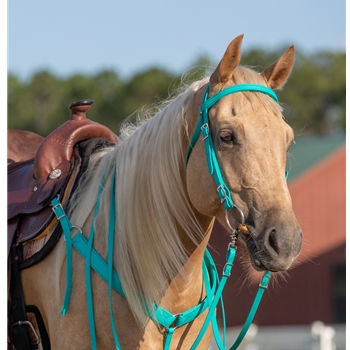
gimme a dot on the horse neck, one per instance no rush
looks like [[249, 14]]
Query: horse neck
[[186, 289], [161, 238]]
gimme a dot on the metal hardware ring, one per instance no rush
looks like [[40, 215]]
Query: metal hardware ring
[[242, 217]]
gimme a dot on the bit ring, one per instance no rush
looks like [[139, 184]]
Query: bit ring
[[228, 221]]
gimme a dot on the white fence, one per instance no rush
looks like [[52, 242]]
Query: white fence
[[316, 336]]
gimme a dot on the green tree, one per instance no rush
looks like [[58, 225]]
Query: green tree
[[313, 99], [315, 94]]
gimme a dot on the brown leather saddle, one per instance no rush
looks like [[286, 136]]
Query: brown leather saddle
[[41, 168]]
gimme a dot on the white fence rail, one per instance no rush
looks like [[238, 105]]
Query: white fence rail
[[316, 336]]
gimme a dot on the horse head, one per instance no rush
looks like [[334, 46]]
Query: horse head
[[251, 141]]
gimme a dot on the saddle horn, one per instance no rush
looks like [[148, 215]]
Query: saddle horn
[[53, 158], [57, 148]]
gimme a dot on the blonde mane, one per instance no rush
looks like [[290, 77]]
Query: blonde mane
[[151, 200]]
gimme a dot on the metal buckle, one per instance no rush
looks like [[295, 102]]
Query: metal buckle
[[222, 199], [59, 205], [202, 127], [28, 323], [267, 284], [223, 271], [234, 237], [261, 286]]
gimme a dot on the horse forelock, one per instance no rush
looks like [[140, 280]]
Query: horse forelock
[[151, 200]]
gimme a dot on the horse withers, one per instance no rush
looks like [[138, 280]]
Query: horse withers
[[158, 192]]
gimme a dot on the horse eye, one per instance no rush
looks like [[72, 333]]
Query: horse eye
[[226, 136]]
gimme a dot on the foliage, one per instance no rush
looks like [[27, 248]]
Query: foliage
[[313, 99]]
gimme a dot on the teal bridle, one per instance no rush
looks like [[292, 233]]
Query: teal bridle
[[214, 285], [204, 129]]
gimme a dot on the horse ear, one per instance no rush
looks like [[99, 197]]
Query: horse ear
[[277, 74], [228, 63]]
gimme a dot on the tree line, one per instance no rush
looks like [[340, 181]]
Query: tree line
[[313, 99]]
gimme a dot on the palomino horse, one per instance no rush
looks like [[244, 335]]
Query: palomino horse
[[153, 194]]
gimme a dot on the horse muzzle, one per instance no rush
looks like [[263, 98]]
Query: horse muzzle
[[273, 249]]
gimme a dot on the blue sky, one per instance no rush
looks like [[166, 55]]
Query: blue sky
[[67, 37]]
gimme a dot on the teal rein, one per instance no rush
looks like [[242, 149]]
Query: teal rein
[[213, 284]]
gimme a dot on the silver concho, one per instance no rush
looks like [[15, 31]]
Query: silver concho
[[55, 174]]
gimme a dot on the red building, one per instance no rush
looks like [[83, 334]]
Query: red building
[[314, 289]]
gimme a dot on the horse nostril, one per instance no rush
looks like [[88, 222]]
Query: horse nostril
[[272, 246]]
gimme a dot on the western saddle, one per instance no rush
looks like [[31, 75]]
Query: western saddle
[[38, 170]]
